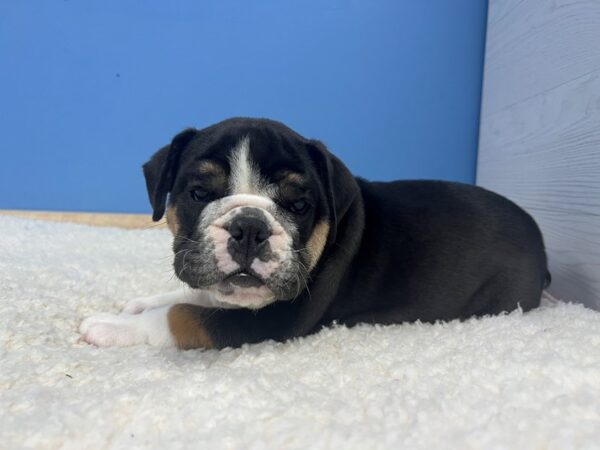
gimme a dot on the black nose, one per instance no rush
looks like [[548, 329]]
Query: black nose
[[248, 239]]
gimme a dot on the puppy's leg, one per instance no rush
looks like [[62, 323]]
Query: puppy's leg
[[139, 304], [191, 326], [187, 326], [182, 295], [178, 325], [149, 327]]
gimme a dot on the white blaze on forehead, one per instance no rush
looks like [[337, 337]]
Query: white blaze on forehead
[[245, 176]]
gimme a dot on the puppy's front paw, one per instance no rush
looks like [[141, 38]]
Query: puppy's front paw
[[149, 327], [105, 330]]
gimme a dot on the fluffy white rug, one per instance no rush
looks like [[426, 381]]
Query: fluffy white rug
[[516, 381]]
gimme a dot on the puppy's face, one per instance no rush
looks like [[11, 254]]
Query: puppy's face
[[247, 209]]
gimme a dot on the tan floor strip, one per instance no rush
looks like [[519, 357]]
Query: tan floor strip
[[91, 218]]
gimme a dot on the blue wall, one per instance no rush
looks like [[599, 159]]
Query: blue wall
[[88, 90]]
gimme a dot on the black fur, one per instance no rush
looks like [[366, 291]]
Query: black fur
[[396, 252]]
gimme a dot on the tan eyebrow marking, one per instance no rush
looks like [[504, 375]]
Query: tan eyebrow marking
[[211, 175], [287, 176], [290, 184], [210, 168]]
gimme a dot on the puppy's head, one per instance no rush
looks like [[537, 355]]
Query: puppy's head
[[252, 206]]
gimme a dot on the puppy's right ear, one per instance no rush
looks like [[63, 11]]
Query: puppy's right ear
[[161, 170]]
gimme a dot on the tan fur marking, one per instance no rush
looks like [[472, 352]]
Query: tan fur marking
[[172, 221], [210, 167], [213, 176], [184, 323], [291, 184], [316, 243], [292, 177]]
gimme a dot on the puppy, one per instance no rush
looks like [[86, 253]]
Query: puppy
[[275, 238]]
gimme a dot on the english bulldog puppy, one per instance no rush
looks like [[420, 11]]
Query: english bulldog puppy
[[275, 238]]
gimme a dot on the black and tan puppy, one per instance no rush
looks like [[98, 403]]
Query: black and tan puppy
[[276, 238]]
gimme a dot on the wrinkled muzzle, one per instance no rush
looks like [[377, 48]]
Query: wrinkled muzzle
[[243, 253]]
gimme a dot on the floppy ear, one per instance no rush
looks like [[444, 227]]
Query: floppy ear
[[341, 188], [161, 170]]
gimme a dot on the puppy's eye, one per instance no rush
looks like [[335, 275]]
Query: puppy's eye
[[199, 194], [299, 206]]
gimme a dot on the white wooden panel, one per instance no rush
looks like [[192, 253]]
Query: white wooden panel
[[540, 138], [500, 10], [535, 45]]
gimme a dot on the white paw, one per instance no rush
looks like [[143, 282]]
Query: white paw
[[106, 330], [140, 304], [149, 327]]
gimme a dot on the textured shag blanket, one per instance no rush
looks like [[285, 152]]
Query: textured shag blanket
[[515, 381]]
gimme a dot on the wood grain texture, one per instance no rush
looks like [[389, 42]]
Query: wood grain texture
[[534, 46], [540, 130]]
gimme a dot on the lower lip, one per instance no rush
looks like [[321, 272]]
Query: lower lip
[[243, 280], [241, 283]]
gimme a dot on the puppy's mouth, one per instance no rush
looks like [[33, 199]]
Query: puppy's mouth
[[241, 280]]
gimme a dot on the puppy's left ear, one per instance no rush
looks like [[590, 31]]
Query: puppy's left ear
[[341, 188], [161, 170]]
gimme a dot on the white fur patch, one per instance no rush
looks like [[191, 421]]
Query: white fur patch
[[220, 238], [198, 297], [248, 297], [111, 330], [245, 176], [219, 209], [281, 244], [264, 268]]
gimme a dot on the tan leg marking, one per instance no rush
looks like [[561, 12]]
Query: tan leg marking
[[172, 221], [316, 243], [185, 325]]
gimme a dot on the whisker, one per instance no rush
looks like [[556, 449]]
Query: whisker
[[178, 236], [299, 250], [183, 263]]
